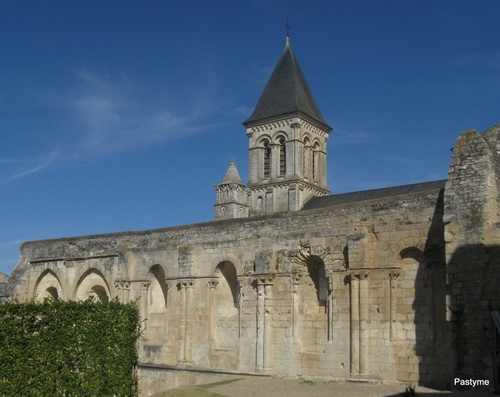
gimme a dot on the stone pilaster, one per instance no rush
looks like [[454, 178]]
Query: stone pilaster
[[360, 332], [354, 286], [330, 308], [144, 303], [393, 275], [212, 284], [185, 326], [364, 324], [295, 306], [264, 324]]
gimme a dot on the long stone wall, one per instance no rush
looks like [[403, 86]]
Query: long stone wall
[[348, 292]]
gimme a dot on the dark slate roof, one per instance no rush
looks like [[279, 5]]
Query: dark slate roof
[[286, 92], [365, 195]]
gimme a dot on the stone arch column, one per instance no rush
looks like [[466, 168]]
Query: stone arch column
[[360, 332], [364, 324], [212, 284], [393, 276], [295, 306], [185, 327], [329, 307], [144, 300]]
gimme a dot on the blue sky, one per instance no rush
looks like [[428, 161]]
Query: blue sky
[[122, 115]]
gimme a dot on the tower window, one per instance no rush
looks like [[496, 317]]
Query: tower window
[[282, 156], [315, 162], [307, 159], [267, 159]]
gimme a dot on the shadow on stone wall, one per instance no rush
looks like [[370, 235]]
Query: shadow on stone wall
[[432, 331], [474, 287], [452, 309]]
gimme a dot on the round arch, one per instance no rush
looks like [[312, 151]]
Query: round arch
[[279, 135], [317, 144], [317, 273], [227, 258], [263, 140], [157, 299], [226, 273]]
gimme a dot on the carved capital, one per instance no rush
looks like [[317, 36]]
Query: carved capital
[[265, 279], [359, 275], [244, 280], [213, 283], [186, 283], [394, 274], [122, 284]]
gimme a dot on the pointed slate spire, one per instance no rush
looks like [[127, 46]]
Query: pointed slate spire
[[232, 174], [286, 93]]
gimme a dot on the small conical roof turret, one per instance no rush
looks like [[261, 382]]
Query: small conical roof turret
[[231, 195], [232, 175]]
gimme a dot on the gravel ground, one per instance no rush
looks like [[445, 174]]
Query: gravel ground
[[272, 387]]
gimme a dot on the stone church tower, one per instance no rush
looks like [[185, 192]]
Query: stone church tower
[[288, 136], [287, 149]]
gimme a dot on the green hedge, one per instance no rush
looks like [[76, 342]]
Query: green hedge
[[61, 348]]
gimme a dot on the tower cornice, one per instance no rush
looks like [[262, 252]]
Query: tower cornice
[[284, 122]]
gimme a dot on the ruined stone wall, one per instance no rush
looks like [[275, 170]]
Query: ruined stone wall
[[473, 249], [353, 291]]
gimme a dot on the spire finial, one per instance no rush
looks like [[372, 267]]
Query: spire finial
[[288, 27]]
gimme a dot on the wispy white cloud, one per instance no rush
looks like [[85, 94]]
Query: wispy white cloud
[[38, 166], [113, 115], [102, 113]]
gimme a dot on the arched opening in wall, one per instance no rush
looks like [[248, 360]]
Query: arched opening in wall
[[227, 305], [227, 277], [98, 294], [313, 313], [48, 286], [317, 273], [52, 292], [93, 286], [260, 205], [266, 159], [282, 154], [315, 162], [414, 309], [156, 303], [307, 158]]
